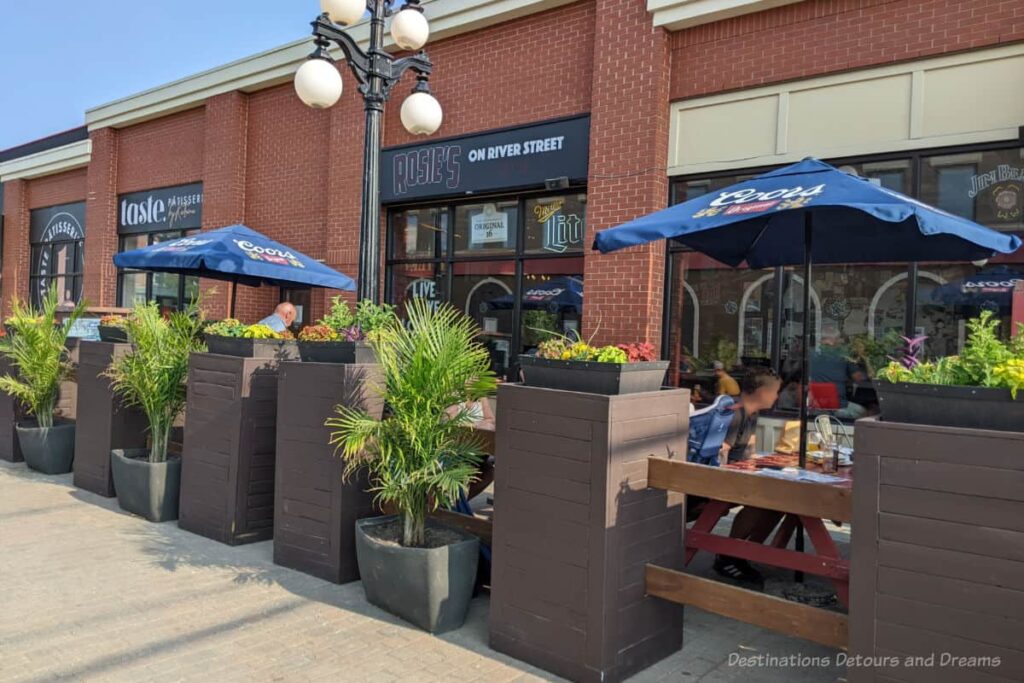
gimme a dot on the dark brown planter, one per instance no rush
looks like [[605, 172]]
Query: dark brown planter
[[67, 401], [937, 550], [610, 379], [10, 412], [112, 334], [336, 352], [227, 473], [277, 349], [967, 407], [575, 524], [103, 423], [314, 510]]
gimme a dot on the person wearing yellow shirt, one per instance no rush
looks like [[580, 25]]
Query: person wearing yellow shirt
[[724, 384]]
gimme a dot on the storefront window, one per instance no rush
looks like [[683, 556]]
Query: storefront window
[[419, 233], [555, 225], [418, 281], [480, 290], [486, 229], [171, 292], [551, 301], [57, 245], [858, 312], [517, 293]]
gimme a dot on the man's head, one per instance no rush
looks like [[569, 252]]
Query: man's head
[[760, 388], [286, 312], [719, 367], [830, 335]]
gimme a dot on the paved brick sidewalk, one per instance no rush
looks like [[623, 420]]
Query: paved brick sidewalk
[[91, 593]]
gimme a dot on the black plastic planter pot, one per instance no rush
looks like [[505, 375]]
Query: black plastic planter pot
[[147, 489], [611, 379], [281, 349], [946, 406], [115, 335], [50, 450], [336, 352], [428, 587]]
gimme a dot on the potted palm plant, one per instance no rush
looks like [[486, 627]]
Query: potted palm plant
[[152, 377], [37, 347], [419, 456]]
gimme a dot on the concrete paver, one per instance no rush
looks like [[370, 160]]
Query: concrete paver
[[92, 593]]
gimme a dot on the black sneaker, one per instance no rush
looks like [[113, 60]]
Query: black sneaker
[[737, 570]]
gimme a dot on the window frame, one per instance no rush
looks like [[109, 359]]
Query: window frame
[[75, 275], [447, 258]]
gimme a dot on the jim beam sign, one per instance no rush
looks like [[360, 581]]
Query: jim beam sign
[[54, 225], [1005, 186], [514, 158], [164, 210]]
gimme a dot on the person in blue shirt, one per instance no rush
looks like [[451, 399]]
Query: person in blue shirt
[[282, 317]]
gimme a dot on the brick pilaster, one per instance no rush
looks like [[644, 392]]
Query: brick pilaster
[[99, 277], [224, 164], [628, 176], [14, 280]]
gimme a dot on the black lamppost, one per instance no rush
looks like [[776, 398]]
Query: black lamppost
[[319, 85]]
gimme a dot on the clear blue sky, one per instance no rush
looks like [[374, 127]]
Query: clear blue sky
[[61, 57]]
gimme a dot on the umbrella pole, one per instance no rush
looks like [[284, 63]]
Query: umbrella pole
[[234, 295], [805, 365]]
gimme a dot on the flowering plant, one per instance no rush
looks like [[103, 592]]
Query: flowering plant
[[229, 327], [261, 332], [118, 321], [563, 348], [639, 352], [359, 324], [318, 333]]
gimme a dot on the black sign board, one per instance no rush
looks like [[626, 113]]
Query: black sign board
[[63, 223], [168, 208], [508, 159]]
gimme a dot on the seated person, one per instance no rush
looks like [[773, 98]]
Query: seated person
[[830, 364], [724, 383], [759, 391]]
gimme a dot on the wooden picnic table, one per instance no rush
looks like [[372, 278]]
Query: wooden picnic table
[[806, 502]]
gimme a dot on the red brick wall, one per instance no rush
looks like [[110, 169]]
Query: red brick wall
[[225, 145], [823, 36], [99, 277], [628, 156], [14, 279], [285, 180], [534, 68], [57, 189], [159, 153]]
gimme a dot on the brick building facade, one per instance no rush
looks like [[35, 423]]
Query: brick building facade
[[643, 77]]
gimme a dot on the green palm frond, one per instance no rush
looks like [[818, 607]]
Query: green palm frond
[[152, 375], [422, 453], [37, 346]]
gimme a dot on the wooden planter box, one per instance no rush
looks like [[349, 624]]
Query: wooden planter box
[[67, 402], [314, 511], [593, 377], [103, 423], [10, 413], [937, 550], [575, 525], [276, 349], [227, 473]]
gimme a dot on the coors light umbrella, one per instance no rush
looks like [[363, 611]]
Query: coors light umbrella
[[810, 212], [237, 254]]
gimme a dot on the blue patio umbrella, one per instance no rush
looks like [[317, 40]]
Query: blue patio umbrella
[[557, 295], [237, 254], [811, 212], [992, 286]]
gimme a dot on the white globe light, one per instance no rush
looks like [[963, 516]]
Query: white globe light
[[318, 83], [410, 30], [345, 12], [421, 113]]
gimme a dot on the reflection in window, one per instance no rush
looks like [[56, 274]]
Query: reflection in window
[[418, 233], [477, 290], [170, 291], [417, 281], [552, 300]]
